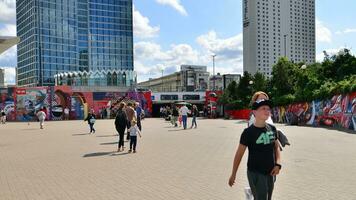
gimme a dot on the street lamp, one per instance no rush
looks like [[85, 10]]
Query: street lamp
[[162, 70], [285, 45], [214, 55]]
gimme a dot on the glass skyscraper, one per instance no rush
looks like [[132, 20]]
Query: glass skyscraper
[[72, 35]]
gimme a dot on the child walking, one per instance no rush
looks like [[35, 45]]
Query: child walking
[[91, 121], [264, 161], [134, 130]]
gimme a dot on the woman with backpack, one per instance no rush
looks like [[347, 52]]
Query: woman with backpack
[[120, 125]]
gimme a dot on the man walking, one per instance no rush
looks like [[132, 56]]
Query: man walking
[[184, 112]]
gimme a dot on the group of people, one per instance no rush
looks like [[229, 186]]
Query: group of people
[[181, 115], [128, 117]]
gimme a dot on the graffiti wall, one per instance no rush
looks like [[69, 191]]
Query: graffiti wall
[[29, 101], [22, 104], [145, 100], [7, 102], [337, 112]]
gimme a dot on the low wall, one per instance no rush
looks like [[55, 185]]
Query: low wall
[[238, 114], [22, 104], [337, 112]]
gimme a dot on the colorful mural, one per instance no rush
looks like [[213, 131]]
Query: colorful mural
[[337, 112], [7, 102], [29, 101], [22, 104]]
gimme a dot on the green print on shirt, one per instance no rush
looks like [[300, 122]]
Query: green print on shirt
[[265, 138]]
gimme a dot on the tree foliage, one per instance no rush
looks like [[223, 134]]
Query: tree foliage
[[296, 82]]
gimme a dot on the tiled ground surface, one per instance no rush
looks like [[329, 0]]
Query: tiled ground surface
[[64, 162]]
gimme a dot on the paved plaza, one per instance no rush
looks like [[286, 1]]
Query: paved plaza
[[63, 162]]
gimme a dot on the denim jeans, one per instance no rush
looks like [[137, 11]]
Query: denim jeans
[[194, 121], [184, 119], [133, 142], [91, 127]]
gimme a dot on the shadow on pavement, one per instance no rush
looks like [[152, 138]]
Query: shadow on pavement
[[119, 154], [80, 134], [241, 122], [108, 143], [98, 154], [178, 130]]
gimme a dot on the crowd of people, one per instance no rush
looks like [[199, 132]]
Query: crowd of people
[[179, 114], [128, 118]]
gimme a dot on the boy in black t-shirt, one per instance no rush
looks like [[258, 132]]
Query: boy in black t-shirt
[[264, 153]]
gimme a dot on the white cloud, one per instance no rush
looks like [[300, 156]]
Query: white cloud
[[174, 4], [323, 34], [10, 75], [320, 56], [228, 51], [9, 57], [141, 26], [150, 58], [8, 11], [8, 30], [346, 31], [229, 48]]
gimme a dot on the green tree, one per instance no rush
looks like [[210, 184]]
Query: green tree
[[259, 82], [244, 89]]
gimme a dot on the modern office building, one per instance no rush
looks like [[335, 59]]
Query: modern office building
[[276, 28], [59, 36]]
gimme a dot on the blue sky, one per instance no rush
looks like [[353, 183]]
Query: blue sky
[[169, 33]]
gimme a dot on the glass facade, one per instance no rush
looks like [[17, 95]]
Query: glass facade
[[72, 35]]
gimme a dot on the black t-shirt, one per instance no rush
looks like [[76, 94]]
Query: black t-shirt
[[260, 143]]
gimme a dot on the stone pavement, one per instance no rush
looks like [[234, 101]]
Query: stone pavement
[[63, 162]]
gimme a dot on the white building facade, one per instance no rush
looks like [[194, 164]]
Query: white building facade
[[276, 28]]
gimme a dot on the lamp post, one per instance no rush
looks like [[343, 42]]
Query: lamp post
[[214, 55], [285, 45], [162, 70]]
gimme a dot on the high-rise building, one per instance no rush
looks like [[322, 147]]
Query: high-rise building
[[72, 36], [276, 28]]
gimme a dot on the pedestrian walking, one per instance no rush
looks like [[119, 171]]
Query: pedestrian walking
[[91, 121], [264, 158], [66, 113], [130, 112], [139, 114], [120, 125], [195, 114], [175, 115], [134, 131], [41, 115], [184, 112]]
